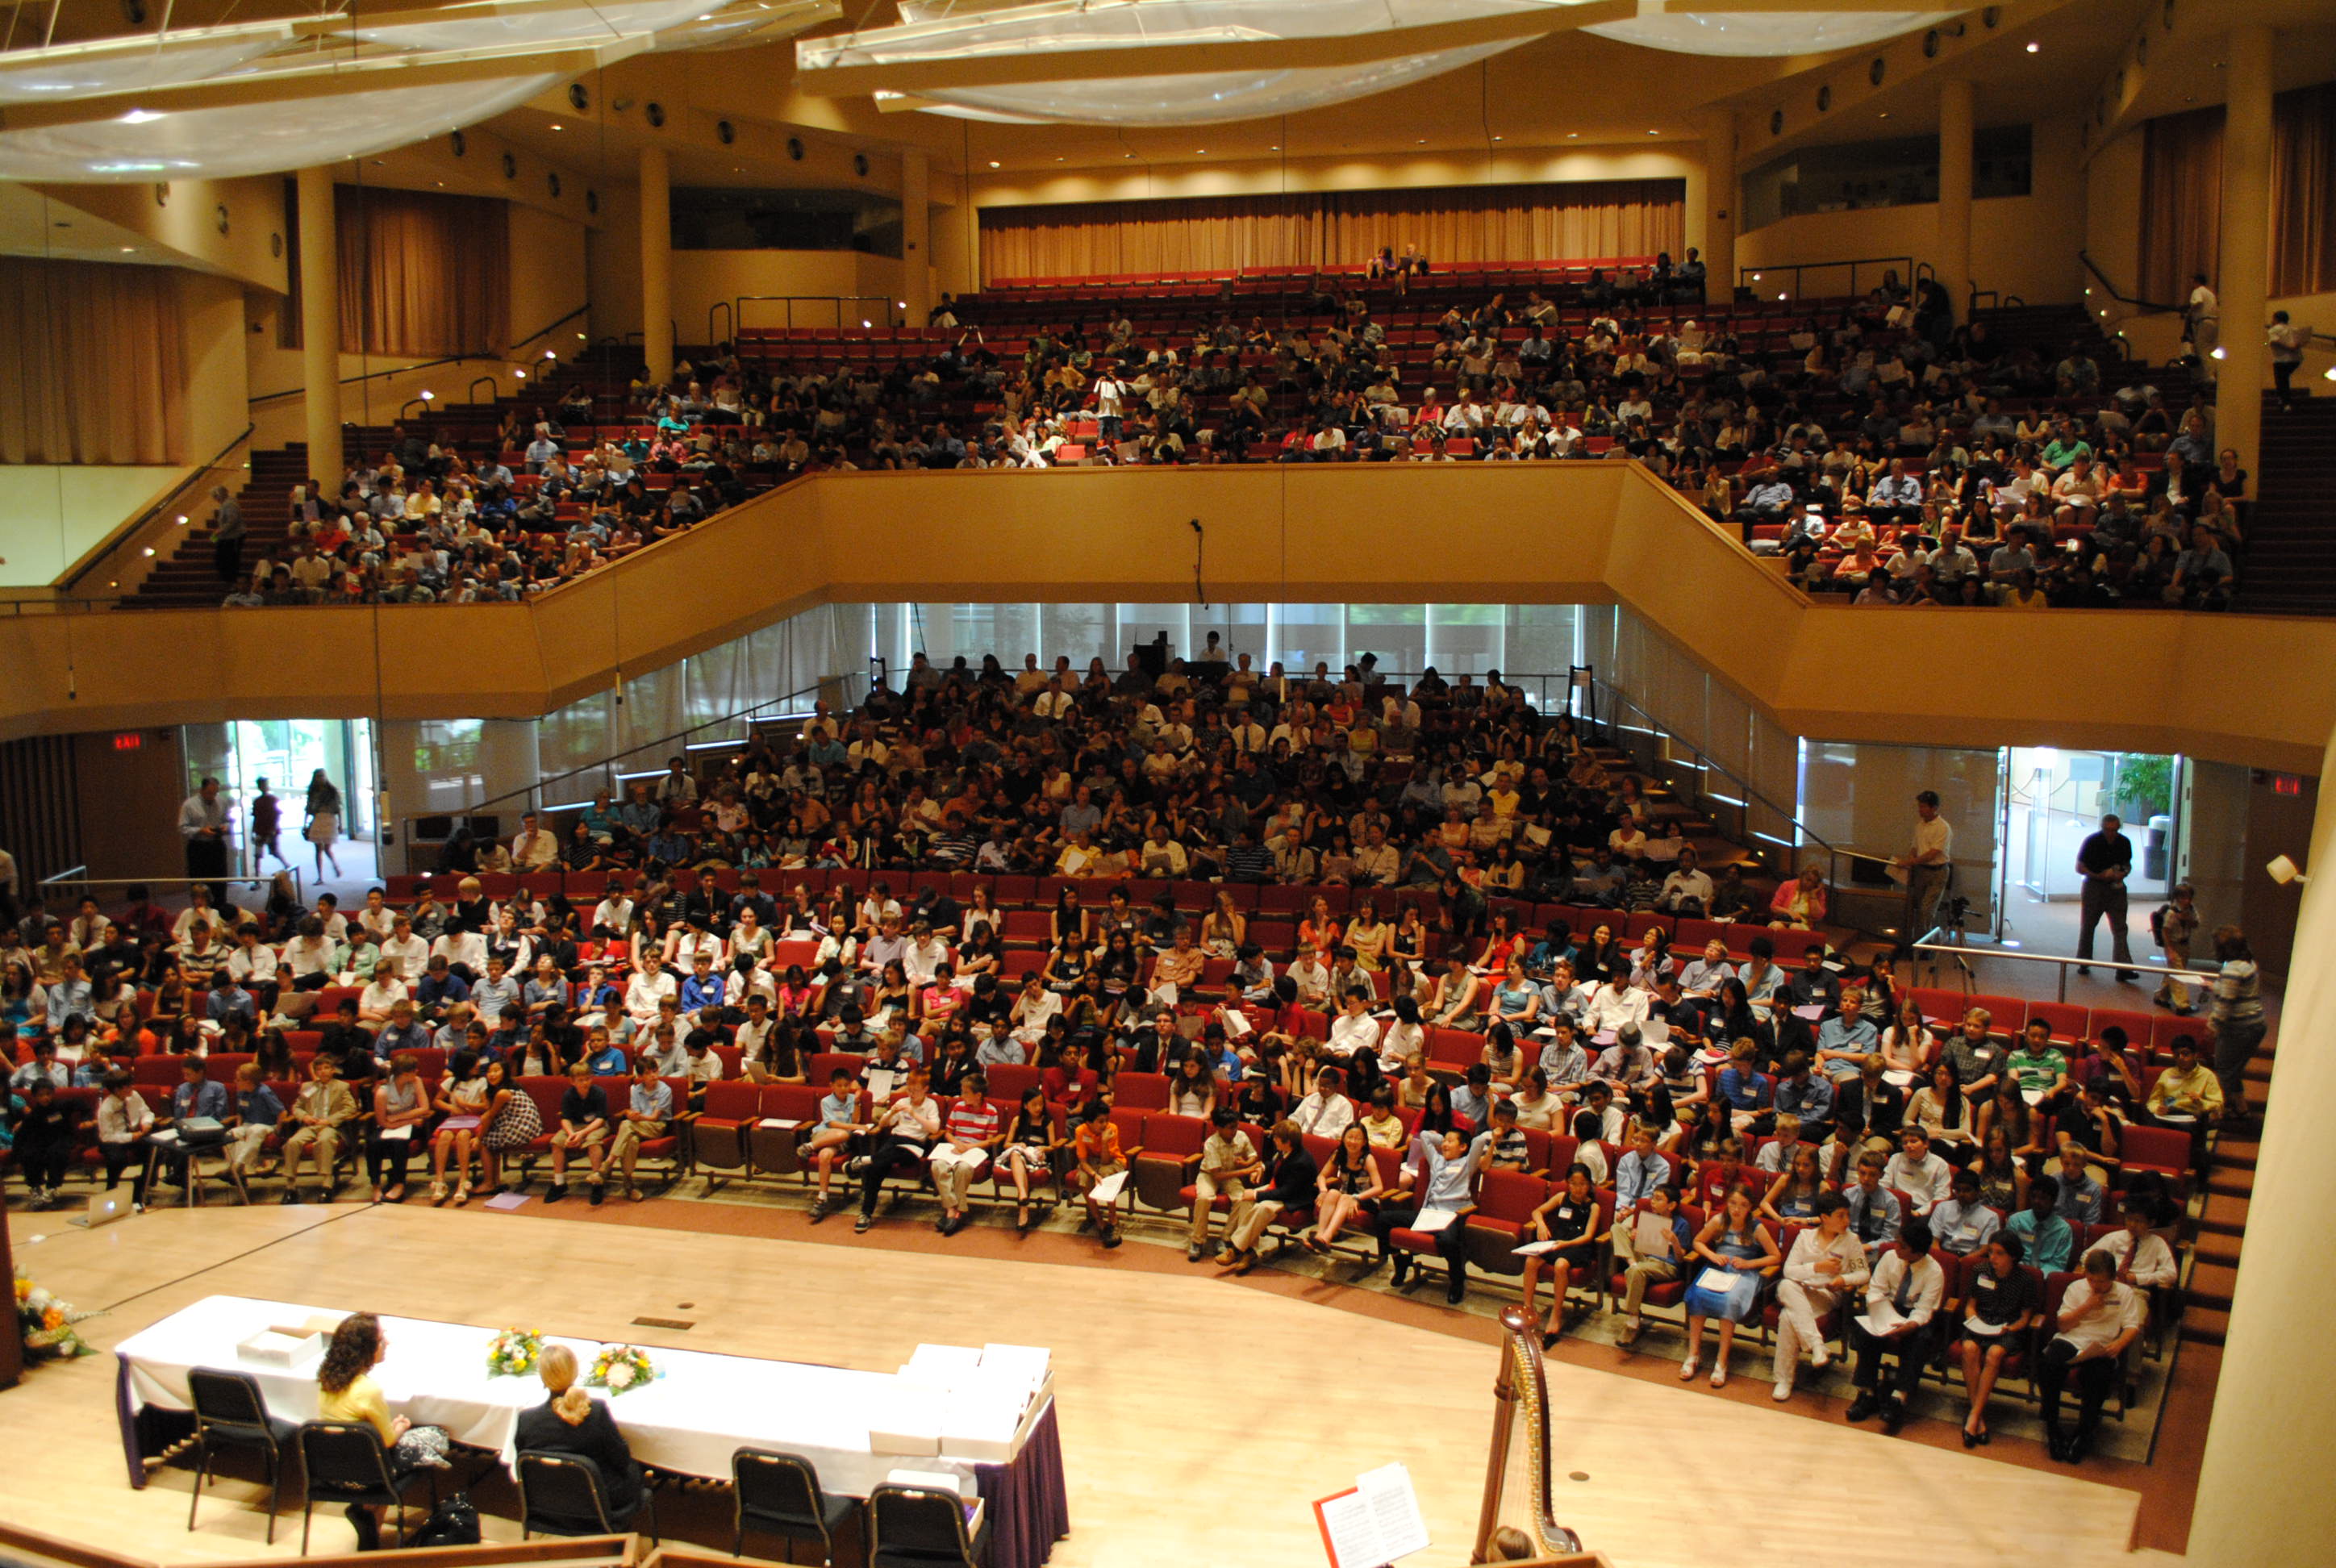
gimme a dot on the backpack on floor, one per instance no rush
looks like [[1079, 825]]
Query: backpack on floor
[[453, 1523]]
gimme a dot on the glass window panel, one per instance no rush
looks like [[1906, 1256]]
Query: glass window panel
[[1306, 634], [1139, 623], [1398, 633], [1465, 638], [1081, 632]]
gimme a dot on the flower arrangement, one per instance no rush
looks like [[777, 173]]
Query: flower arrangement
[[514, 1352], [621, 1367], [47, 1323]]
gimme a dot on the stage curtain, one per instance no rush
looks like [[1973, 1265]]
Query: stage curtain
[[91, 364], [1455, 226], [2303, 191], [1203, 234], [1557, 222], [421, 273], [2181, 203]]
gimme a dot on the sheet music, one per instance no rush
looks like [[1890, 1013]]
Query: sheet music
[[1393, 1505], [1110, 1187], [1350, 1531]]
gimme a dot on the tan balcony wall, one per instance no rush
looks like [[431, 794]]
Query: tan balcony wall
[[2235, 688]]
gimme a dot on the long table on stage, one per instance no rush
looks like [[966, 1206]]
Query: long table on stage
[[701, 1409]]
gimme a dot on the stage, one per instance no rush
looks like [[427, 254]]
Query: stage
[[1198, 1416]]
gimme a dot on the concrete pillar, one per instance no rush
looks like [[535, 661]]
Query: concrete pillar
[[320, 327], [2245, 280], [1720, 198], [2263, 1486], [916, 236], [1951, 256], [656, 263]]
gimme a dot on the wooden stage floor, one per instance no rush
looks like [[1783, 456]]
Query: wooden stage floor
[[1199, 1416]]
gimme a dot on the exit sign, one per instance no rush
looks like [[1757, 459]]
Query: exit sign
[[2286, 783], [130, 740]]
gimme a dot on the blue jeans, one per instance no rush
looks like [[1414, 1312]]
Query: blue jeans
[[2234, 1047]]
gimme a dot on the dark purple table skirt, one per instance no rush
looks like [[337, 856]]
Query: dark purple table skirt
[[1030, 1506]]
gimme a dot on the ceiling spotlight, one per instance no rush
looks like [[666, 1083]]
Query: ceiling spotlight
[[141, 116], [427, 396], [993, 163], [1573, 136], [1654, 133], [553, 353], [127, 249], [1780, 297], [1497, 139], [2220, 352], [2034, 48], [518, 375], [865, 322], [150, 550], [557, 126], [182, 520]]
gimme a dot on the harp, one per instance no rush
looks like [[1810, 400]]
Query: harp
[[1521, 1385]]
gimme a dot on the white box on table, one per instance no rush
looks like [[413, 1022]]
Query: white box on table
[[905, 1421], [276, 1349]]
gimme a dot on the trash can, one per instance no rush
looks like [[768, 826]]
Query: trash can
[[2154, 847]]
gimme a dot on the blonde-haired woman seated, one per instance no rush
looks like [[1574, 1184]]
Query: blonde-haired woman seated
[[573, 1422]]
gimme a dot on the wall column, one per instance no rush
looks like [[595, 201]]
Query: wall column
[[1951, 256], [320, 327], [2263, 1485], [656, 263], [1719, 199], [2244, 279], [916, 235]]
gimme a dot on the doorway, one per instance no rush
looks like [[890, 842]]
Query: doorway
[[2053, 800], [287, 753]]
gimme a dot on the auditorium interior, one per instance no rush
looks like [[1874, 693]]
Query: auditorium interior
[[1159, 1005]]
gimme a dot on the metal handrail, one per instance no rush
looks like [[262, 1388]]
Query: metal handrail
[[1960, 953], [728, 309], [1705, 760], [1749, 275], [71, 879], [836, 302], [2118, 294], [104, 547], [530, 796]]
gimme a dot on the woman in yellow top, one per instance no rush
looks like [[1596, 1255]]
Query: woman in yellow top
[[346, 1392]]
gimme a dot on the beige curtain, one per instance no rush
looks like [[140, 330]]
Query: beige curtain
[[1584, 222], [2182, 198], [1455, 226], [2303, 191], [421, 273], [1088, 239], [2181, 203], [91, 365]]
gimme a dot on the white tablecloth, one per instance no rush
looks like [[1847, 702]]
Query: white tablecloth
[[689, 1420]]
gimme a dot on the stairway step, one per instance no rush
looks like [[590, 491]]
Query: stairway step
[[2219, 1249], [2210, 1285], [2223, 1215], [2206, 1325], [2235, 1182]]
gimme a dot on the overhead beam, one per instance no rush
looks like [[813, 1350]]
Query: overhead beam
[[329, 78], [1186, 59]]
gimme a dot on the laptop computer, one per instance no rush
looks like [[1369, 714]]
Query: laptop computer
[[104, 1208]]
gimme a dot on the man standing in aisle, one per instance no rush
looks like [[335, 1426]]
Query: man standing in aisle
[[1925, 867], [202, 823], [2103, 862]]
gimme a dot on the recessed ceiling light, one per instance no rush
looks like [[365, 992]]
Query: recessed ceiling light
[[1423, 142], [1884, 115], [141, 116], [1200, 152], [2034, 47], [1497, 139], [1275, 147], [993, 163], [1573, 136], [558, 127], [127, 249], [1654, 133], [1058, 158]]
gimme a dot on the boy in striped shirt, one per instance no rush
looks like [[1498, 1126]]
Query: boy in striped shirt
[[972, 1131]]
